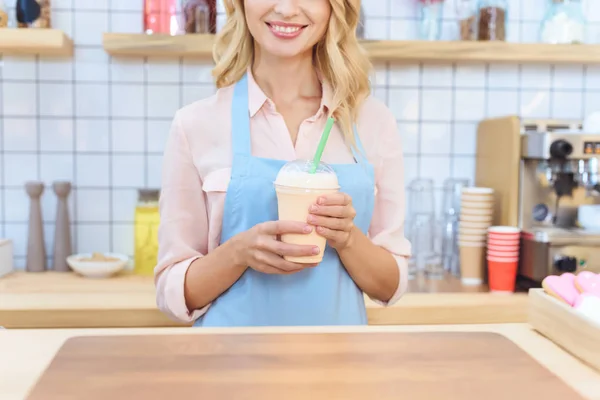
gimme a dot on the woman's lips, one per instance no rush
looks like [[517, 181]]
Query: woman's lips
[[286, 31]]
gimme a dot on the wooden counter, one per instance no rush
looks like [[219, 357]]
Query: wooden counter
[[64, 300], [26, 353]]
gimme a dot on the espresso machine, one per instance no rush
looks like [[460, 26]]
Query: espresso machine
[[559, 173], [540, 188]]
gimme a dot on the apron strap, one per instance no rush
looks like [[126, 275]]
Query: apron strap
[[359, 152], [240, 119]]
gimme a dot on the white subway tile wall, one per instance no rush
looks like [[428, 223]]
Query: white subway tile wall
[[102, 122]]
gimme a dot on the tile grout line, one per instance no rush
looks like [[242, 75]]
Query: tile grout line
[[74, 188]]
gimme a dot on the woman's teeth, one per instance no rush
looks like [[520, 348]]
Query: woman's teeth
[[285, 29]]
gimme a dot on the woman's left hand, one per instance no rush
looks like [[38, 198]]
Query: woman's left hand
[[333, 215]]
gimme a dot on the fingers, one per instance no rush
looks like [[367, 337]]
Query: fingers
[[334, 199], [281, 227], [336, 224], [273, 261], [333, 211], [270, 244], [332, 234]]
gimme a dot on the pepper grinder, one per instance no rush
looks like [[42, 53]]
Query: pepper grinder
[[36, 250], [62, 232]]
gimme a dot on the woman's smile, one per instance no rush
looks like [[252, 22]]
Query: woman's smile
[[285, 30]]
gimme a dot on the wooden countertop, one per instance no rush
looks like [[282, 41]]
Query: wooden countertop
[[26, 353], [66, 300]]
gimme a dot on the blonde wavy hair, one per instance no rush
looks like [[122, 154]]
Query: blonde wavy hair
[[338, 57]]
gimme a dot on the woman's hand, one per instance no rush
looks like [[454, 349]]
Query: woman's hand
[[333, 215], [260, 248]]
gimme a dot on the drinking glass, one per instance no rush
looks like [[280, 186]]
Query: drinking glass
[[422, 231]]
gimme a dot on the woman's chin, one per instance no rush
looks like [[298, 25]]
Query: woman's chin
[[282, 51]]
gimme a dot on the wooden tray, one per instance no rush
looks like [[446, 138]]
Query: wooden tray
[[565, 327], [298, 366]]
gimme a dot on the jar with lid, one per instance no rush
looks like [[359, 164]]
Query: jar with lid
[[493, 19], [564, 23], [146, 220], [199, 16]]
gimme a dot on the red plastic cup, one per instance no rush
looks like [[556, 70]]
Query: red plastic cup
[[504, 232], [503, 249], [503, 254], [498, 242], [502, 274]]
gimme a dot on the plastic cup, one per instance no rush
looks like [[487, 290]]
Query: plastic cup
[[297, 189], [503, 249], [502, 274], [502, 242], [493, 253], [504, 231]]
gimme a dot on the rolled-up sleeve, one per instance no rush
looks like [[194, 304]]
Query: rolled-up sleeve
[[183, 230], [387, 225]]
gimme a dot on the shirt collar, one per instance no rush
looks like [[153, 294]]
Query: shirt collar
[[257, 98]]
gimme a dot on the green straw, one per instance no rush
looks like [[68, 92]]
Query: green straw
[[322, 143]]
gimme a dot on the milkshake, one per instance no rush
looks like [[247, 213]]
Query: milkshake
[[297, 189]]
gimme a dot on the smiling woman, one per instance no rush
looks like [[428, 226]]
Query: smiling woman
[[283, 68]]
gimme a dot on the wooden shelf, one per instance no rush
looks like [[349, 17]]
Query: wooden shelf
[[200, 46], [35, 41], [142, 45]]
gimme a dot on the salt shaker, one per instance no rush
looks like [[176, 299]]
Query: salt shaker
[[62, 232], [36, 250]]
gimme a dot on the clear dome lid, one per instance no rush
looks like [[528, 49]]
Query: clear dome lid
[[297, 174]]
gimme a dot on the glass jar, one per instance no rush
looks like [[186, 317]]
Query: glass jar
[[199, 16], [147, 220], [492, 19], [564, 23], [466, 12], [430, 25]]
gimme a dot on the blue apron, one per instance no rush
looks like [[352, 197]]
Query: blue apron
[[324, 295]]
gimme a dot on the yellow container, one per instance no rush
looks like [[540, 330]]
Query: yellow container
[[147, 219]]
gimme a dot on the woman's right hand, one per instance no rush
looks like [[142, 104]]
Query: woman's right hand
[[260, 247]]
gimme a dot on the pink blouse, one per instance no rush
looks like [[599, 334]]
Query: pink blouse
[[197, 167]]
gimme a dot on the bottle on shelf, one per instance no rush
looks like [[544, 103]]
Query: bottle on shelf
[[199, 16], [493, 20], [147, 219], [160, 17]]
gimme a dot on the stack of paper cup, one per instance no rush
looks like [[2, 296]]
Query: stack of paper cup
[[476, 213], [503, 257]]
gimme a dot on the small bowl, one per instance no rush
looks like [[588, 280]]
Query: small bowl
[[91, 266]]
